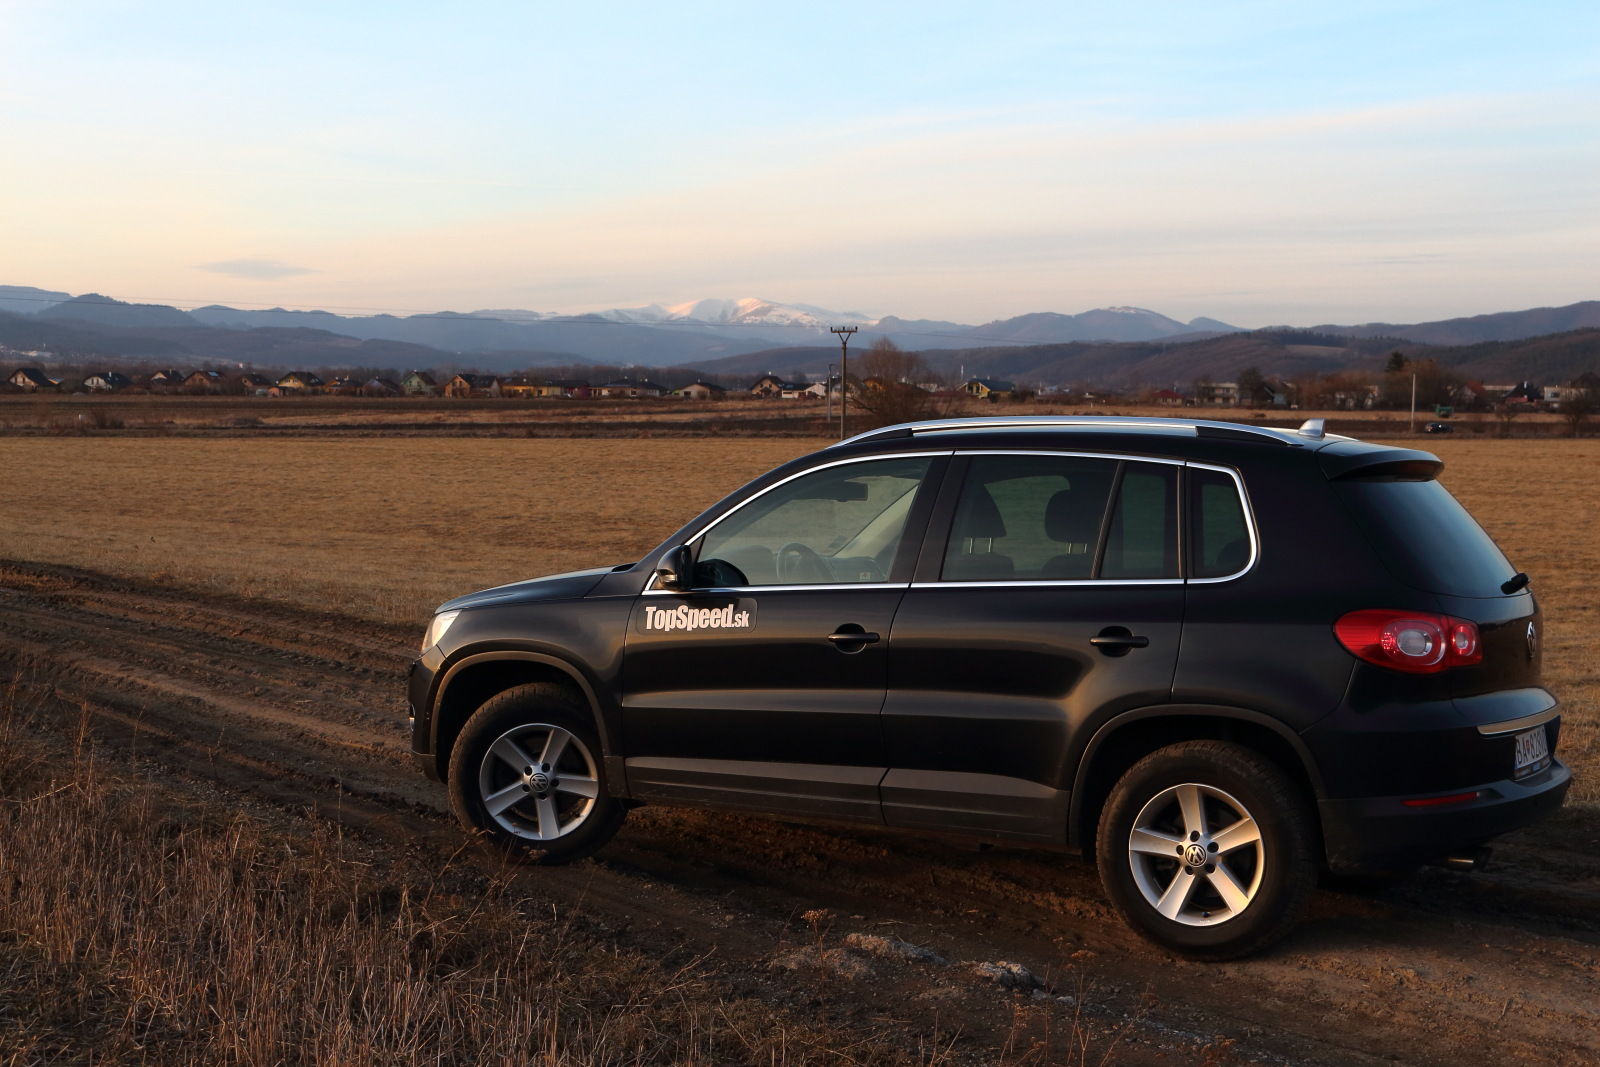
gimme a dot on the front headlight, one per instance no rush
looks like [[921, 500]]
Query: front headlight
[[437, 628]]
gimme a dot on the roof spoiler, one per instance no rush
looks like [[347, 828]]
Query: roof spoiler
[[1399, 464]]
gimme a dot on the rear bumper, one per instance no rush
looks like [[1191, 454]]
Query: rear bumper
[[1374, 835]]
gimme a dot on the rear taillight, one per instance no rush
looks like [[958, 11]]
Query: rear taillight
[[1412, 641]]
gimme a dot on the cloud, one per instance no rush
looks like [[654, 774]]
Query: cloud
[[255, 267]]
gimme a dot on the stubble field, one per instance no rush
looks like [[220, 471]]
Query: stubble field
[[202, 642]]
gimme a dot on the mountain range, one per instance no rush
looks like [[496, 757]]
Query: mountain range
[[1551, 359], [1114, 345]]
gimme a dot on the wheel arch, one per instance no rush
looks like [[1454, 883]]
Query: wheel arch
[[1122, 741], [474, 679]]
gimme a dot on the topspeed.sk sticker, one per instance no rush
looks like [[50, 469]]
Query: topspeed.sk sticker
[[685, 618]]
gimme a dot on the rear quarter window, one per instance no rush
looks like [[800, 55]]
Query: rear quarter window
[[1219, 533], [1425, 537]]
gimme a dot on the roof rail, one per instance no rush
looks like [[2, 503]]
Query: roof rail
[[1311, 431]]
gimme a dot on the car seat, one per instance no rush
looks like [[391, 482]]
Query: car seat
[[1072, 517], [977, 525]]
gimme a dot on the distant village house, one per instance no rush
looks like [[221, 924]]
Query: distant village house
[[989, 388], [107, 382], [770, 386], [33, 380], [418, 383], [254, 385], [628, 388], [203, 381], [472, 385], [700, 391], [300, 382], [380, 387], [576, 388]]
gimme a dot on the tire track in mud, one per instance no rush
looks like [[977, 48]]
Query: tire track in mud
[[305, 711]]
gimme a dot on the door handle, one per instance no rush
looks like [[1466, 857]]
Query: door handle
[[1118, 641], [851, 634]]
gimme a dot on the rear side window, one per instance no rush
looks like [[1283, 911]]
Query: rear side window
[[1219, 534], [1142, 541], [1426, 538], [1025, 518]]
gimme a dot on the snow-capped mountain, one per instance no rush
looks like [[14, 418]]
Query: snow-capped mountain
[[748, 311]]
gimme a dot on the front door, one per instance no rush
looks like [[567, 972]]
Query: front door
[[1054, 601], [762, 686]]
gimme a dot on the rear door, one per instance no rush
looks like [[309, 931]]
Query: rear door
[[1053, 601], [762, 686]]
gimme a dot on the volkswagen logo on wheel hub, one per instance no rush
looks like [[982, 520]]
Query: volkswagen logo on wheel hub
[[1196, 856]]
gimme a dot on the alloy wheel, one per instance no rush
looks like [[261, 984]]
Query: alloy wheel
[[538, 782], [1197, 854]]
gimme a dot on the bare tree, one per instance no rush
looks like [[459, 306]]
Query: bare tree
[[1251, 384], [890, 384], [1580, 403], [1504, 412]]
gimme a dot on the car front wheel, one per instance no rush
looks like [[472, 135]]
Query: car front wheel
[[527, 772], [1206, 848]]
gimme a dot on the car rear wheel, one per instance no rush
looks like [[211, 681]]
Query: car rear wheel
[[527, 773], [1206, 848]]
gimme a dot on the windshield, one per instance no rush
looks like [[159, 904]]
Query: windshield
[[1427, 539]]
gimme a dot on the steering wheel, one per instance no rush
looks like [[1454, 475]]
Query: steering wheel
[[798, 564]]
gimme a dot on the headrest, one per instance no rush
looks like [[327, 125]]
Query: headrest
[[978, 516], [1073, 516]]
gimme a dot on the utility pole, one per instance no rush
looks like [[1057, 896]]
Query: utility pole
[[844, 333], [1413, 402]]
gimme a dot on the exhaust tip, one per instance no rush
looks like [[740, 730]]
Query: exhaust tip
[[1473, 859]]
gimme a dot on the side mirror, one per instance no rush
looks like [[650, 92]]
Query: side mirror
[[676, 570]]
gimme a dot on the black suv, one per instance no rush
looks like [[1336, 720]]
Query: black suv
[[1216, 657]]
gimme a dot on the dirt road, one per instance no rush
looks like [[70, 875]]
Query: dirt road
[[306, 711]]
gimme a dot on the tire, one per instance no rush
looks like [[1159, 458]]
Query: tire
[[1251, 878], [525, 738]]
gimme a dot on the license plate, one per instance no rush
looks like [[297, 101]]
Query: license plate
[[1533, 751]]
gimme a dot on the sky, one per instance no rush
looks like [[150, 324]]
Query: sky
[[1257, 162]]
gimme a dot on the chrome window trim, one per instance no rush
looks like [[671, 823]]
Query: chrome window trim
[[1238, 485], [650, 586], [1249, 523], [739, 590], [1043, 582]]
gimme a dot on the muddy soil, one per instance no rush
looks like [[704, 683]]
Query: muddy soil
[[305, 712]]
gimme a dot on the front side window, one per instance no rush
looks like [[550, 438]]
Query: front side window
[[839, 525]]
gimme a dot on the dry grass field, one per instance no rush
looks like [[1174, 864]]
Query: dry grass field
[[381, 528], [201, 794], [387, 528]]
